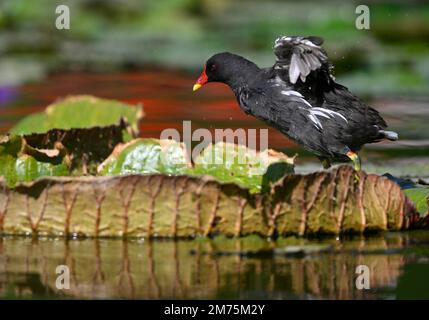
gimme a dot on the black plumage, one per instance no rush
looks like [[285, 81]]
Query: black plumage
[[298, 96]]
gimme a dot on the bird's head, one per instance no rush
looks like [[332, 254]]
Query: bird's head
[[223, 67]]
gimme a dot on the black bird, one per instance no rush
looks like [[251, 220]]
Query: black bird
[[299, 97]]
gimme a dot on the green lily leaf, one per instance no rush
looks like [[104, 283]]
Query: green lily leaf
[[20, 162], [82, 112], [420, 197], [57, 152], [146, 156], [225, 162], [236, 163]]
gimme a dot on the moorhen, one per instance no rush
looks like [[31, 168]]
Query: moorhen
[[299, 97]]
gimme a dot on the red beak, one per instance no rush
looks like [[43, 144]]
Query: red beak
[[202, 80]]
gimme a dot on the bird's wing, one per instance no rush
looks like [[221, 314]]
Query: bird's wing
[[316, 116], [301, 56]]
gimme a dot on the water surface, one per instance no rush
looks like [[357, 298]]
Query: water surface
[[216, 269]]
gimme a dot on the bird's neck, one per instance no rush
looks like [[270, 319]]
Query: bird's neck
[[243, 72]]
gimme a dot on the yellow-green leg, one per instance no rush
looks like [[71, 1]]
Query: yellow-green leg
[[355, 159], [325, 162]]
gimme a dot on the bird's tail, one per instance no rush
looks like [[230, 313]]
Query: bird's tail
[[390, 135]]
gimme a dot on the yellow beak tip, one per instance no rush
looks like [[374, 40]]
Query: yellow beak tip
[[196, 87]]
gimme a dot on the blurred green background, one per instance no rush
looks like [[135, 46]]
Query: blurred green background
[[390, 58]]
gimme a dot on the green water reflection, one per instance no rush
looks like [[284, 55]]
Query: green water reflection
[[213, 269]]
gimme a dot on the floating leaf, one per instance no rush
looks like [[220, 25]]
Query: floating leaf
[[253, 170], [183, 206], [85, 148], [20, 162], [146, 156], [81, 112], [420, 197], [418, 194], [225, 162], [57, 152]]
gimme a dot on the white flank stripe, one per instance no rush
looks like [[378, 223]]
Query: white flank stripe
[[295, 94], [291, 93], [318, 113], [330, 112], [315, 121], [307, 103], [315, 112]]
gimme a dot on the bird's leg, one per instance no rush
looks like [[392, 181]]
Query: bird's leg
[[356, 160], [325, 162]]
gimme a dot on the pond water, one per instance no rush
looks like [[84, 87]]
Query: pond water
[[398, 265], [217, 268]]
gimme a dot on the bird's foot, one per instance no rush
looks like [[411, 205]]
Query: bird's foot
[[356, 164], [326, 163], [355, 159]]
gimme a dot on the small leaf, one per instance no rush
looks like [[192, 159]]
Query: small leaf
[[420, 197], [17, 166]]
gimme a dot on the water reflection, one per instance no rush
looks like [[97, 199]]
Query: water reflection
[[207, 269]]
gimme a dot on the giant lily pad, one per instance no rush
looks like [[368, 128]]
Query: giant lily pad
[[226, 162], [158, 205], [146, 156], [81, 112], [229, 162]]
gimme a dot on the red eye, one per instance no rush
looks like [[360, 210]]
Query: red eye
[[212, 67]]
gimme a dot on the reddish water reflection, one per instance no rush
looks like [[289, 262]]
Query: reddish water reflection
[[167, 98]]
